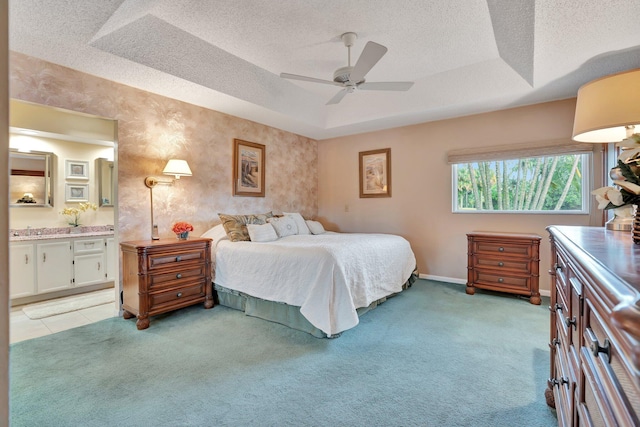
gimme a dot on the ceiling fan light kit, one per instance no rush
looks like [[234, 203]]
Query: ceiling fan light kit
[[352, 77]]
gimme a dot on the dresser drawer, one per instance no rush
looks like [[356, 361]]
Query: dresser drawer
[[490, 278], [504, 263], [176, 297], [505, 249], [603, 355], [563, 389], [176, 276], [169, 259]]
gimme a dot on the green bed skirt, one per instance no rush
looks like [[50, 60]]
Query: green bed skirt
[[285, 314]]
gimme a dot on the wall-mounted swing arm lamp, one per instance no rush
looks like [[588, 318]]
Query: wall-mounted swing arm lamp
[[174, 167], [608, 110]]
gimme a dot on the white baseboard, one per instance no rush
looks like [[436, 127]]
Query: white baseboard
[[543, 292]]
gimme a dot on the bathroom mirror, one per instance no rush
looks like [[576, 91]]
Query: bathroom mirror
[[32, 181], [106, 181]]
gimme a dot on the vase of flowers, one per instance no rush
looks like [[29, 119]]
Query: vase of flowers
[[626, 176], [182, 230], [73, 215]]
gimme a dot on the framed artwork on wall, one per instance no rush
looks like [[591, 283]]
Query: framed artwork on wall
[[77, 169], [248, 168], [76, 193], [375, 173]]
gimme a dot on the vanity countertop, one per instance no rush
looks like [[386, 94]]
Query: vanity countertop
[[58, 233]]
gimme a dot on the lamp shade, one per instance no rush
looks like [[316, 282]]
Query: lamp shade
[[177, 168], [606, 107]]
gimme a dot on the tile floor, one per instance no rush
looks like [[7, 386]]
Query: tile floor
[[23, 328]]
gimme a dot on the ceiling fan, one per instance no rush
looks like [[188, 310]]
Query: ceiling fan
[[352, 77]]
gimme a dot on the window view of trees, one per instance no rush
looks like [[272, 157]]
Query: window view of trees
[[552, 183]]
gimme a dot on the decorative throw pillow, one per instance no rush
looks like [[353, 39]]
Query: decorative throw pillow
[[285, 226], [236, 225], [262, 233], [302, 226], [315, 227]]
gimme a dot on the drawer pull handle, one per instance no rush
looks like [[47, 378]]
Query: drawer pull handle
[[557, 267], [555, 342], [596, 349], [179, 294], [500, 280], [570, 322], [99, 266], [500, 249], [26, 258], [561, 381], [179, 276], [558, 307], [501, 264], [178, 259], [44, 257]]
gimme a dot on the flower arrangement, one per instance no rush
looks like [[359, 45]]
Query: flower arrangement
[[182, 227], [75, 212], [625, 175]]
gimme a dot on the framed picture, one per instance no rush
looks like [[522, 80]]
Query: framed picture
[[375, 173], [77, 169], [77, 192], [248, 168]]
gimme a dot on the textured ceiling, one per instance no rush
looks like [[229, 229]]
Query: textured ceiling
[[465, 56]]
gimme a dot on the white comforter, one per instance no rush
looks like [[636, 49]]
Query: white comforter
[[328, 276]]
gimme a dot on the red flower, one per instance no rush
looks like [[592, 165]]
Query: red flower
[[181, 227]]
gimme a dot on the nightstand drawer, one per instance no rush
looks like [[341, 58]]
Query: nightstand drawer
[[490, 278], [164, 259], [176, 296], [503, 248], [509, 264], [159, 279]]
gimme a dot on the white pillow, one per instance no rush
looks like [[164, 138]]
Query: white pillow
[[284, 225], [315, 227], [216, 233], [302, 226], [262, 232]]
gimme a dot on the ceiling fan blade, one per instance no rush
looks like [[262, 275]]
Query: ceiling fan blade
[[400, 86], [308, 79], [338, 97], [369, 57]]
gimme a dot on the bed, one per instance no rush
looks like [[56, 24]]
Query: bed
[[319, 283]]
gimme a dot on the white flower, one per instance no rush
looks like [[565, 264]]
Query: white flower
[[629, 186], [630, 156], [604, 195], [624, 211]]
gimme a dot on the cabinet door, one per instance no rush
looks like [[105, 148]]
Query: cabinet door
[[88, 269], [111, 259], [54, 266], [21, 270]]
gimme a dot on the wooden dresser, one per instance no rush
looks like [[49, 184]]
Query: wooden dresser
[[504, 262], [595, 327], [165, 275]]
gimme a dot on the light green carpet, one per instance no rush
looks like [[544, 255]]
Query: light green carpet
[[432, 356]]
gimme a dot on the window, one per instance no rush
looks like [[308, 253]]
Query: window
[[542, 184]]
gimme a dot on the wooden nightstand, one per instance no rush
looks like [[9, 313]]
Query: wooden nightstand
[[504, 262], [165, 275]]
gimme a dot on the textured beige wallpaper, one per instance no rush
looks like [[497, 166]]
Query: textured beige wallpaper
[[153, 129]]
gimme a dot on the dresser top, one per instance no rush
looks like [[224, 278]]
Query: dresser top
[[614, 250]]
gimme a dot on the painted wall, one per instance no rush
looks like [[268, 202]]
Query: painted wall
[[153, 129], [420, 206]]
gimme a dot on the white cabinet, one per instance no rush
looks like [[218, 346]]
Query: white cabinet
[[111, 259], [53, 265], [42, 266], [22, 274], [88, 262]]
